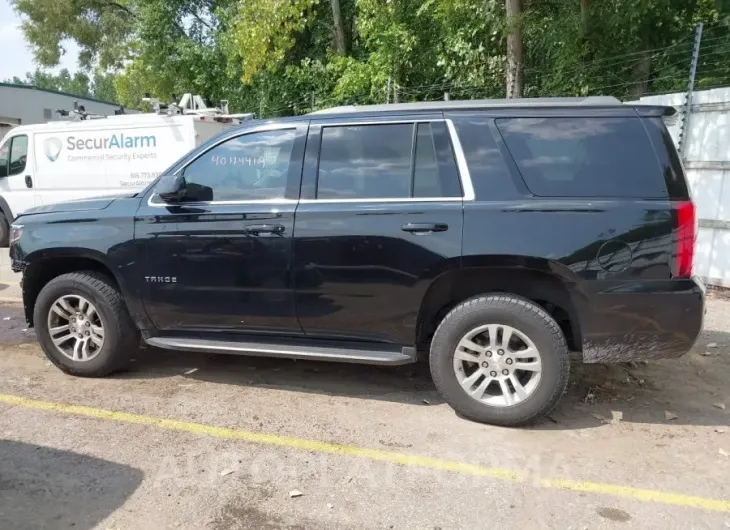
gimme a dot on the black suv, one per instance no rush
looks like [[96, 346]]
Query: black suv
[[491, 238]]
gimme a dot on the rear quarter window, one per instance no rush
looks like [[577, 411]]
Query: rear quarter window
[[584, 157]]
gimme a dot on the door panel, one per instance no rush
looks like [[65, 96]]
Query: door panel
[[16, 174], [359, 275], [381, 216], [220, 260], [206, 269]]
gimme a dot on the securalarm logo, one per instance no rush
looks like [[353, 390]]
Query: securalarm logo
[[52, 148]]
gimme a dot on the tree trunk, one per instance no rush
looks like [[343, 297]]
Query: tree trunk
[[640, 73], [513, 78], [340, 46], [584, 17]]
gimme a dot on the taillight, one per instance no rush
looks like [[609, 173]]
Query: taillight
[[686, 234]]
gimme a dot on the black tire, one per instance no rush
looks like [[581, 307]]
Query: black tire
[[4, 231], [120, 336], [521, 314]]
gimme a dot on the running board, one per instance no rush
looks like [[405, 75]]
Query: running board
[[319, 351]]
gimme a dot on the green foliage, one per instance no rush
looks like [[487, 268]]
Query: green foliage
[[79, 84], [277, 57]]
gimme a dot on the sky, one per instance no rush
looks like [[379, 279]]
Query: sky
[[17, 58]]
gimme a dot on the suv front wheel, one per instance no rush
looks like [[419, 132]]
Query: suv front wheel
[[83, 325], [500, 359]]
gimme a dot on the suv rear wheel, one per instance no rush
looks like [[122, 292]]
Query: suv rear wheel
[[500, 359], [83, 325]]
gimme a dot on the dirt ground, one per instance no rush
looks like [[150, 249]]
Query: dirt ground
[[630, 446]]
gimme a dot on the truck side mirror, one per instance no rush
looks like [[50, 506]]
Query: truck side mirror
[[171, 188]]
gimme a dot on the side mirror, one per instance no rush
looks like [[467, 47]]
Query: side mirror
[[171, 188]]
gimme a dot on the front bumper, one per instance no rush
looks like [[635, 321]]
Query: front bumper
[[639, 321]]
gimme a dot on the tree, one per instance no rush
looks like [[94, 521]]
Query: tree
[[103, 29], [513, 11], [340, 45], [79, 84], [279, 57]]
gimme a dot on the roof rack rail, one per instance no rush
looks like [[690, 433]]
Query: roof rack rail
[[595, 101]]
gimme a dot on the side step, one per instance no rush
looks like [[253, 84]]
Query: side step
[[348, 352]]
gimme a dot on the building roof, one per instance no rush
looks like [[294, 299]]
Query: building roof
[[67, 94], [594, 101]]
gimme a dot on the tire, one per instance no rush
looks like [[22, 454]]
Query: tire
[[4, 231], [120, 337], [522, 319]]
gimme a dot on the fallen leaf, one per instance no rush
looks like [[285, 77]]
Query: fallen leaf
[[670, 415], [712, 345], [720, 406], [295, 493], [191, 371], [226, 472], [723, 452]]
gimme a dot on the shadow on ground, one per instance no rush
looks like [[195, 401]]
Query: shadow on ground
[[44, 488], [687, 388]]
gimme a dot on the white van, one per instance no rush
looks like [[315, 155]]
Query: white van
[[66, 160]]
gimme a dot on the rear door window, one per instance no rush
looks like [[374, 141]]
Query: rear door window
[[584, 157], [382, 161], [365, 162]]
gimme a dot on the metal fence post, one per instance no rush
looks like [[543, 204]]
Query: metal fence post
[[687, 109]]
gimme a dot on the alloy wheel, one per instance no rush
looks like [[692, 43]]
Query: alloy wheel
[[497, 365], [76, 328]]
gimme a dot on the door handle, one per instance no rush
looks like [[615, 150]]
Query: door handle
[[28, 181], [424, 228], [264, 229]]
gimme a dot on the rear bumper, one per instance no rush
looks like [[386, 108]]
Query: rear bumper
[[648, 320]]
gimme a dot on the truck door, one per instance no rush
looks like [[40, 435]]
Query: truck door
[[219, 260], [380, 217], [16, 173]]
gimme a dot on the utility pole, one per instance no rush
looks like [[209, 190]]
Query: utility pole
[[387, 92], [447, 96], [687, 108]]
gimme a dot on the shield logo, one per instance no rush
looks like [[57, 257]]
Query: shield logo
[[52, 148]]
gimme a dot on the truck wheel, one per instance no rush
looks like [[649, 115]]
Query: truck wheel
[[500, 359], [4, 231], [83, 325]]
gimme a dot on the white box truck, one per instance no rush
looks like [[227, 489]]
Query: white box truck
[[67, 160]]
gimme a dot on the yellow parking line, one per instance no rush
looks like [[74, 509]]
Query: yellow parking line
[[674, 499]]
